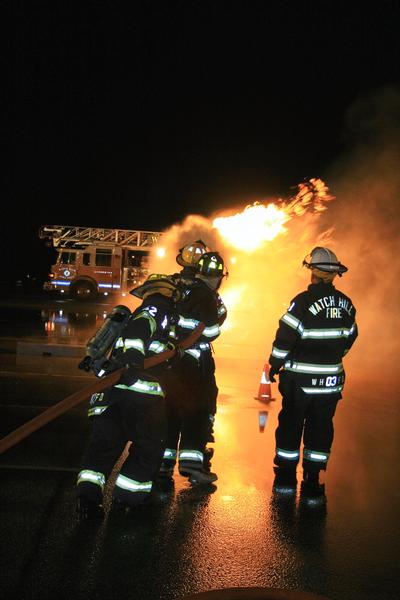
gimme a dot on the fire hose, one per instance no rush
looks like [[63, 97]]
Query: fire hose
[[97, 386]]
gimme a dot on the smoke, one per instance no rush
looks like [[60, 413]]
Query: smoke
[[193, 227], [361, 226], [366, 221], [260, 283]]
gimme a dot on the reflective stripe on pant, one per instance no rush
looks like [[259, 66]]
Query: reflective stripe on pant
[[191, 458], [307, 417], [91, 484]]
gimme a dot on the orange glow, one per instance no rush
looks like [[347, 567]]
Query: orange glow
[[313, 193], [362, 229], [232, 295], [263, 247], [260, 231], [256, 224], [160, 252]]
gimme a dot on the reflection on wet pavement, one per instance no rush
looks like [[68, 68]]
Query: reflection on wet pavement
[[235, 533]]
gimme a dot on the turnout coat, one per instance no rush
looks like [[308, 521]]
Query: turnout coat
[[314, 334]]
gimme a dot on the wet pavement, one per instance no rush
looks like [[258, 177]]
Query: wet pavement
[[237, 533]]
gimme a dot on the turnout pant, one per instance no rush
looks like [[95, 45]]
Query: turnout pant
[[210, 389], [308, 418], [188, 420], [209, 383], [130, 416]]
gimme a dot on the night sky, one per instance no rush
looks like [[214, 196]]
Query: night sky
[[136, 117]]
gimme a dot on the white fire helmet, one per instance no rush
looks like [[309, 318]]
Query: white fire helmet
[[324, 260], [190, 254]]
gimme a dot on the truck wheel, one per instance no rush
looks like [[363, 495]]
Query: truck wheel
[[83, 290]]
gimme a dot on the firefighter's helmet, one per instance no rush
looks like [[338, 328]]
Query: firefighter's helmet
[[211, 264], [323, 259], [158, 284], [190, 254]]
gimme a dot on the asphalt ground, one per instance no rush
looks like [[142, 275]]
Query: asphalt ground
[[234, 534]]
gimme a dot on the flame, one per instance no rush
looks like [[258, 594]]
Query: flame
[[258, 223], [263, 247], [273, 233], [313, 193]]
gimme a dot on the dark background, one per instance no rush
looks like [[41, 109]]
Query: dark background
[[134, 115]]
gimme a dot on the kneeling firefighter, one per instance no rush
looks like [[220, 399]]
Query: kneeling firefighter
[[190, 384], [133, 410]]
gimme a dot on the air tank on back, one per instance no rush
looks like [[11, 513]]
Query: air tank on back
[[102, 341]]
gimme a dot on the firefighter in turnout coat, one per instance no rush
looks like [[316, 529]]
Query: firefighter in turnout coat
[[133, 410], [318, 329], [191, 386], [188, 258]]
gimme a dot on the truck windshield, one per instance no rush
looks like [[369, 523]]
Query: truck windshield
[[67, 258]]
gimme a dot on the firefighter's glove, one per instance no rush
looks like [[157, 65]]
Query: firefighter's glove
[[179, 351], [271, 374], [103, 367], [86, 364]]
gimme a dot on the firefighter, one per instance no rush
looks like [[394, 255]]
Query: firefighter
[[192, 390], [133, 410], [188, 258], [317, 330]]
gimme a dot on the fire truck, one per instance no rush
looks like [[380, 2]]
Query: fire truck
[[92, 260]]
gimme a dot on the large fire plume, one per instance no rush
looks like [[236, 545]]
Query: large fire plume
[[263, 246]]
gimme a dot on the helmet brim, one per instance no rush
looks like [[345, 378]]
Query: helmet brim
[[163, 286], [327, 267], [181, 262]]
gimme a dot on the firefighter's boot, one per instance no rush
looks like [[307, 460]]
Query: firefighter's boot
[[312, 491], [201, 476], [88, 510], [166, 469], [197, 473], [285, 481], [195, 465], [168, 463]]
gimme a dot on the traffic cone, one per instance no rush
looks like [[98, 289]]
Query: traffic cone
[[264, 390]]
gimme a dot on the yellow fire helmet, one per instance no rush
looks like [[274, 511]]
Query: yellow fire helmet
[[158, 284], [190, 254]]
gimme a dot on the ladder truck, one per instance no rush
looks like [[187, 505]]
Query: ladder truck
[[92, 260]]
